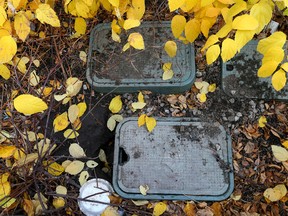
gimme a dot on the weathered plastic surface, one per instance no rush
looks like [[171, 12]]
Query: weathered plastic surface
[[239, 76], [110, 69], [181, 159]]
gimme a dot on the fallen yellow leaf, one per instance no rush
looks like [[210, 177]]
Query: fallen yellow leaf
[[159, 208], [150, 123], [84, 175], [70, 134], [116, 104], [262, 121], [29, 104], [143, 189], [7, 151], [136, 40], [201, 97], [279, 80], [280, 153], [8, 49], [73, 112], [138, 105], [4, 72], [141, 97], [58, 202], [131, 23], [80, 25], [61, 122], [53, 168], [22, 25], [45, 14], [74, 167], [171, 48], [141, 120]]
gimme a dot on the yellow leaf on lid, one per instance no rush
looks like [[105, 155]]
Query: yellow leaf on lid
[[136, 40], [150, 123], [143, 189], [178, 25], [171, 48], [45, 14], [29, 104], [141, 120], [279, 80]]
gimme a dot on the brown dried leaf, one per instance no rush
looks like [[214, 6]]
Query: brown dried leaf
[[190, 209], [217, 209]]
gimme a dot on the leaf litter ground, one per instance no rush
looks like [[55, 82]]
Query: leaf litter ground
[[255, 168]]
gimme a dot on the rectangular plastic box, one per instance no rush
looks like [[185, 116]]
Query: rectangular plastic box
[[239, 76], [111, 69], [181, 159]]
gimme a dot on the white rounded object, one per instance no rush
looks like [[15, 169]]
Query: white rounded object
[[95, 190]]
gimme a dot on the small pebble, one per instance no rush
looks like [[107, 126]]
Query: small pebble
[[239, 114], [231, 118], [150, 109], [232, 100], [162, 104]]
